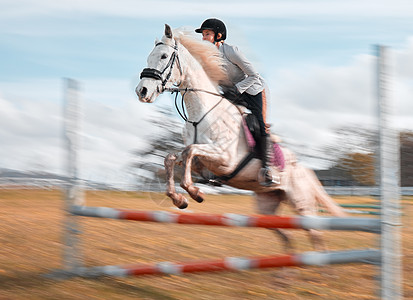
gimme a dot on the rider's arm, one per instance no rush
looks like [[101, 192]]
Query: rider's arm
[[253, 82]]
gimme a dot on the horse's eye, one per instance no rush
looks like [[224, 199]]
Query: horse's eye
[[164, 56]]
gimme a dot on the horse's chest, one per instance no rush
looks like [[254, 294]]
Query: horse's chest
[[220, 130]]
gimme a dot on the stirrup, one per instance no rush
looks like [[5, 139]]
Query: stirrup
[[266, 178]]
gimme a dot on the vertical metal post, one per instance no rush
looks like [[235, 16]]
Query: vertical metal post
[[72, 257], [389, 180]]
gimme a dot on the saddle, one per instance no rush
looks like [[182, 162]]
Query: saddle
[[253, 136], [251, 129]]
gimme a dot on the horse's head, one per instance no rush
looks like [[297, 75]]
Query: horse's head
[[163, 69]]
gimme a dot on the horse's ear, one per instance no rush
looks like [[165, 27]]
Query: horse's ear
[[168, 31], [156, 41]]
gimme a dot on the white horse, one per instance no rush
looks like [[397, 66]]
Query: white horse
[[214, 136]]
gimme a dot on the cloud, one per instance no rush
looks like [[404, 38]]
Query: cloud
[[29, 133], [309, 102], [317, 95], [404, 60], [112, 126]]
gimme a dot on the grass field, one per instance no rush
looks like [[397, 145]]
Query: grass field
[[30, 246]]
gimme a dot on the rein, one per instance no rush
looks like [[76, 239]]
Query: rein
[[183, 114]]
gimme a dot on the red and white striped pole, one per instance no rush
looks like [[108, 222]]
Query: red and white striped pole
[[263, 221], [238, 263]]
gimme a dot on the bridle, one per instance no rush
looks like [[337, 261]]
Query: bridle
[[158, 75]]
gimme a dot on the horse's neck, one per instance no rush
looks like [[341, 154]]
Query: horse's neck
[[216, 113], [197, 103]]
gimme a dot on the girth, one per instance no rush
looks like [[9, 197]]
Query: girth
[[222, 179]]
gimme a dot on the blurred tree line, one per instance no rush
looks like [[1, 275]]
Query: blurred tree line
[[352, 151], [167, 138], [406, 158]]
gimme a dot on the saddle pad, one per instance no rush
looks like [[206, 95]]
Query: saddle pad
[[250, 139], [278, 157]]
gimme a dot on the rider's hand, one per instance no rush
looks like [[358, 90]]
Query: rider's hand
[[230, 92]]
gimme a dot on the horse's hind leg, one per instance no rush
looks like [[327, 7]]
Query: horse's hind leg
[[316, 237], [317, 240], [178, 199], [267, 204], [285, 237], [303, 199]]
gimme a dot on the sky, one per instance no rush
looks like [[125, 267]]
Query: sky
[[317, 57]]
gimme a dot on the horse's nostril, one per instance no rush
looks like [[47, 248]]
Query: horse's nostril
[[143, 92]]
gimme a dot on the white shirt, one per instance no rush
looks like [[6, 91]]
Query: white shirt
[[240, 70]]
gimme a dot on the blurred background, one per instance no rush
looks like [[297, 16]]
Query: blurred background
[[318, 59]]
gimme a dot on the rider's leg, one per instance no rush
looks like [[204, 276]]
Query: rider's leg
[[257, 105], [267, 176]]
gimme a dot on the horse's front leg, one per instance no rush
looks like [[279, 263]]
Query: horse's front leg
[[205, 151], [178, 199]]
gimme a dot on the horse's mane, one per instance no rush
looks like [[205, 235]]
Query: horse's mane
[[207, 54]]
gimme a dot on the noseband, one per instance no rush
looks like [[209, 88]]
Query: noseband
[[156, 74]]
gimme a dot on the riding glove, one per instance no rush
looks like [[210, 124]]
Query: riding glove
[[230, 92]]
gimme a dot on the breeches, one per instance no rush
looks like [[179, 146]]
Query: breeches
[[257, 105]]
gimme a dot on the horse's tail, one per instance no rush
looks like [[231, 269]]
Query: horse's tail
[[324, 199]]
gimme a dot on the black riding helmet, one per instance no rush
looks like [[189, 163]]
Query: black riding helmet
[[216, 26]]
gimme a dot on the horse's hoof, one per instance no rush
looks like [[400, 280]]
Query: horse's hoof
[[197, 195], [183, 205], [180, 201], [199, 199], [183, 202]]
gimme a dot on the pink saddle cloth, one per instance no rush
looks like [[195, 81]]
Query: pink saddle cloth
[[278, 157]]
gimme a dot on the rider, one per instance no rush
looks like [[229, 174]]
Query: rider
[[247, 86]]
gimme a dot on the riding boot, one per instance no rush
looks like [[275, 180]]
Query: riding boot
[[267, 178]]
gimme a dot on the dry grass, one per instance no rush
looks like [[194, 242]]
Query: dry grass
[[30, 240]]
